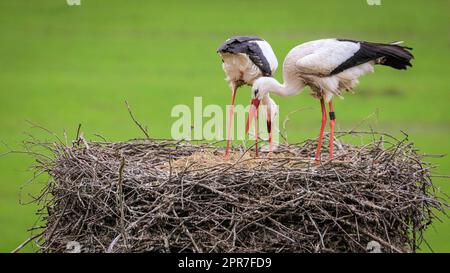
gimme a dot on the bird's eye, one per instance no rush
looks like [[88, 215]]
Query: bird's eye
[[256, 91]]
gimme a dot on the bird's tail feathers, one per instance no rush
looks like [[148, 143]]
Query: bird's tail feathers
[[394, 55]]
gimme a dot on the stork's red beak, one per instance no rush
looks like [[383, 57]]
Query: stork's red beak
[[269, 129], [251, 114], [269, 124]]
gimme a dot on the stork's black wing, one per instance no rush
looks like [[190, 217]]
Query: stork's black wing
[[392, 55], [243, 44]]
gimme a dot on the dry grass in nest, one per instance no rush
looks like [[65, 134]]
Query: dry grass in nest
[[211, 158]]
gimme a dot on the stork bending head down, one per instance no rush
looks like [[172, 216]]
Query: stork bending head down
[[329, 67], [245, 59]]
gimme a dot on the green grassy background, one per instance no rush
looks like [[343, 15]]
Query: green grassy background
[[63, 65]]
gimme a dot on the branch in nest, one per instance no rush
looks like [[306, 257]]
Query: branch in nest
[[142, 128]]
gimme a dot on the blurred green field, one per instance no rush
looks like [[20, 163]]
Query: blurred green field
[[63, 65]]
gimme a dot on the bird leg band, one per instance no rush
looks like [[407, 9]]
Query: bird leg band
[[332, 116]]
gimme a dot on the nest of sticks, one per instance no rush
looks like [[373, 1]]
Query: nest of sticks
[[167, 196]]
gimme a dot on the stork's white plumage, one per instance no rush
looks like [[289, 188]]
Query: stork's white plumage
[[246, 59], [328, 67]]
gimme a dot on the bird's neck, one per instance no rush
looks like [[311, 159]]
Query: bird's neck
[[288, 88]]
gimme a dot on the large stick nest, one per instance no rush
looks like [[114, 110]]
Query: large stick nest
[[168, 196]]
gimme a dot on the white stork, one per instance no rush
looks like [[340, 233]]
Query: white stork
[[328, 67], [246, 59]]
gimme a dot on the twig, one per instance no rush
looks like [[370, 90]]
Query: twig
[[22, 245], [144, 130], [121, 202]]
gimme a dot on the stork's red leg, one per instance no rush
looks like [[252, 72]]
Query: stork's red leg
[[332, 122], [230, 123], [322, 127], [256, 131]]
